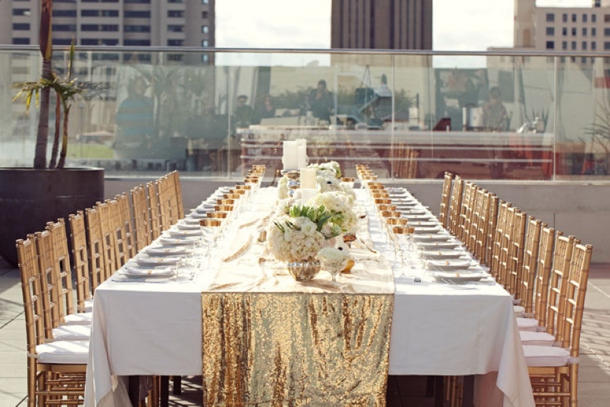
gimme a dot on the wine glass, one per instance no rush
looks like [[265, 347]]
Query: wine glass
[[210, 229]]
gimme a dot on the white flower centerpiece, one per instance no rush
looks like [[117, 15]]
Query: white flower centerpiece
[[333, 260]]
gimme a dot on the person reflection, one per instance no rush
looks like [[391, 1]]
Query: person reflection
[[134, 119], [494, 113], [266, 111], [321, 102]]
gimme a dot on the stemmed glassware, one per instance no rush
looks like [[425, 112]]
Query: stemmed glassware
[[334, 267], [210, 230]]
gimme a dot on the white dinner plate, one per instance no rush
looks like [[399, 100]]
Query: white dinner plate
[[184, 233], [165, 250], [448, 265], [431, 237], [437, 245], [145, 260], [441, 254], [457, 277], [426, 229], [192, 225], [183, 241], [417, 223], [134, 270]]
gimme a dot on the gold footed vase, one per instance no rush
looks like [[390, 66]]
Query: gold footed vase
[[304, 270]]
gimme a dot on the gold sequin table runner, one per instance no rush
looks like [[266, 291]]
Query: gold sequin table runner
[[271, 341]]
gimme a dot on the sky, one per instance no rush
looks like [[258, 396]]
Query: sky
[[465, 25]]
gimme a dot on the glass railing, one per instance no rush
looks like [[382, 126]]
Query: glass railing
[[522, 116]]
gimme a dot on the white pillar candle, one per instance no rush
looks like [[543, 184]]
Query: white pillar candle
[[301, 156], [289, 156], [307, 194], [308, 178]]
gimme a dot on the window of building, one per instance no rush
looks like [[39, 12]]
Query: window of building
[[176, 1], [175, 28], [550, 31], [85, 1], [564, 45], [593, 32], [22, 12], [574, 32], [175, 57], [64, 13], [204, 14], [132, 28], [606, 32], [137, 14], [21, 26], [606, 18], [87, 27], [593, 45], [573, 45], [109, 41], [564, 17], [136, 43], [137, 1], [88, 13], [550, 45], [204, 29], [110, 27], [606, 45], [550, 17], [583, 60], [21, 41], [205, 58], [110, 1], [584, 32], [89, 41], [175, 43], [574, 19], [64, 27], [204, 43], [110, 13], [204, 1], [584, 18], [584, 45], [593, 18], [62, 41], [564, 31], [175, 13]]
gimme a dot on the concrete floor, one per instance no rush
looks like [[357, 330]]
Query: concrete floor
[[594, 380]]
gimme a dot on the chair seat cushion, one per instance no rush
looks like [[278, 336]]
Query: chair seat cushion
[[88, 306], [527, 324], [519, 311], [545, 356], [72, 333], [63, 352], [536, 338], [82, 318]]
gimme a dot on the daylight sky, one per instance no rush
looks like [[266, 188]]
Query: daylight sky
[[465, 25]]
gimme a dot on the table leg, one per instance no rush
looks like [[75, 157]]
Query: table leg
[[439, 393], [164, 391], [134, 390], [468, 400]]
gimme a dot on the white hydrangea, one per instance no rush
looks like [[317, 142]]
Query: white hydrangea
[[332, 254], [340, 205], [300, 242]]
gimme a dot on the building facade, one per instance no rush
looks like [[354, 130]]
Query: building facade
[[174, 23], [381, 24]]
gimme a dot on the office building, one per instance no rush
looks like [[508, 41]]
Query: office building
[[381, 24], [174, 23]]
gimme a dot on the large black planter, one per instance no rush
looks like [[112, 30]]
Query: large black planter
[[30, 198]]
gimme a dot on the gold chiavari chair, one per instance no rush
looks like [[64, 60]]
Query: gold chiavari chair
[[492, 220], [514, 260], [126, 226], [443, 215], [80, 261], [554, 369], [531, 249], [476, 218], [178, 186], [101, 256], [550, 309], [480, 234], [466, 210], [154, 211], [112, 224], [140, 217], [109, 236], [55, 370], [168, 202], [455, 204], [505, 243], [499, 232]]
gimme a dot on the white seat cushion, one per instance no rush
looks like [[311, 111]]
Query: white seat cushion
[[63, 352], [82, 318], [88, 306], [536, 338], [72, 333], [546, 356], [527, 324], [519, 311]]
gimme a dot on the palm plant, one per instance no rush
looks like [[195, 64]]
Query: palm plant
[[65, 90]]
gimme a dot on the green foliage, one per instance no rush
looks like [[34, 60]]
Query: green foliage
[[318, 215]]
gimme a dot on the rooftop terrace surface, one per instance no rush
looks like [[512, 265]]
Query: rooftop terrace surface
[[594, 381]]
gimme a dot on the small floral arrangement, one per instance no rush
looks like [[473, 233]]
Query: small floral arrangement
[[299, 232], [332, 254], [328, 169], [339, 205]]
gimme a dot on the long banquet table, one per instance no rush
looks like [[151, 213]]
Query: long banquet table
[[155, 327]]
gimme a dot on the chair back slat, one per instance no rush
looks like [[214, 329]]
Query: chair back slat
[[530, 260], [63, 268], [80, 259], [499, 238], [109, 244], [126, 225], [543, 273], [49, 284], [455, 204], [492, 220], [101, 261], [562, 256], [179, 199], [140, 217], [31, 291], [153, 209], [443, 215], [515, 254]]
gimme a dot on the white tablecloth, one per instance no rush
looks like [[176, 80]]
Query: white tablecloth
[[438, 329]]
